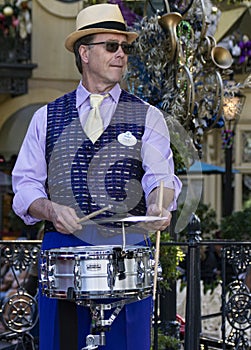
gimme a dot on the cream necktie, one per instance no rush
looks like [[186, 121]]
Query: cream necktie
[[94, 124]]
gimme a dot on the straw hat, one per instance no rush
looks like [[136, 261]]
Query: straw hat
[[101, 18]]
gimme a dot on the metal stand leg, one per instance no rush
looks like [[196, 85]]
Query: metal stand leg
[[93, 341]]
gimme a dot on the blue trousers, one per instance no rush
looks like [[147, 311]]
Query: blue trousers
[[130, 330]]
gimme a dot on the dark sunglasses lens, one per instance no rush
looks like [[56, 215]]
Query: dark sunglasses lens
[[111, 47], [127, 48]]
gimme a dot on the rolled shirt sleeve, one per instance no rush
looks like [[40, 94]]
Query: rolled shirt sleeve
[[158, 157], [30, 171]]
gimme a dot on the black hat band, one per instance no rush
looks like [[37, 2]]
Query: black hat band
[[106, 25]]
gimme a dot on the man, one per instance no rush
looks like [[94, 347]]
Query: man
[[65, 171]]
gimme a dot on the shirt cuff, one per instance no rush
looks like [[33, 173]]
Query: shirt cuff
[[22, 201]]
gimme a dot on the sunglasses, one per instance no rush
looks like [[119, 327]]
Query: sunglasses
[[113, 46]]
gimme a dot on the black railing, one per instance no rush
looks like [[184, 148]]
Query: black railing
[[19, 309], [235, 303], [19, 306]]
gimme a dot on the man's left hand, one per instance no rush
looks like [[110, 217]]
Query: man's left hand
[[159, 225]]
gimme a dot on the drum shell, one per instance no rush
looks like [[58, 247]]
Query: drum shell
[[92, 272]]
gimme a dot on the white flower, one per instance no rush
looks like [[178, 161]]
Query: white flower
[[236, 51], [231, 43]]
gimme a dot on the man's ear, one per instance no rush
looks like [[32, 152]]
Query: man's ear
[[83, 52]]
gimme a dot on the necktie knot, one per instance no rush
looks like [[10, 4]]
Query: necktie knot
[[96, 100], [94, 124]]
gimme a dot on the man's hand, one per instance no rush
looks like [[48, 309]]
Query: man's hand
[[63, 218], [154, 210], [160, 225]]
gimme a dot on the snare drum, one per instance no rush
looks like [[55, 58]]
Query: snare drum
[[95, 272]]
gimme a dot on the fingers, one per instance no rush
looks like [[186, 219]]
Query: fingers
[[160, 225], [65, 219], [154, 210]]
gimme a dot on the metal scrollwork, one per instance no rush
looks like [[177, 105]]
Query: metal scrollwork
[[239, 311], [20, 256], [239, 257], [20, 312], [238, 301], [19, 309], [240, 339]]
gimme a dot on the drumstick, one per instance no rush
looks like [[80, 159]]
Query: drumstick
[[157, 248], [95, 213]]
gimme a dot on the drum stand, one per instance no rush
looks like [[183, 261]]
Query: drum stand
[[99, 324]]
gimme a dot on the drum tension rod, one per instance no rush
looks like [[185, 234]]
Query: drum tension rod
[[119, 259]]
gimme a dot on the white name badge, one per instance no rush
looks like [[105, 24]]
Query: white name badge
[[127, 139]]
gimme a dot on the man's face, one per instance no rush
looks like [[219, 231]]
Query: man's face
[[101, 66]]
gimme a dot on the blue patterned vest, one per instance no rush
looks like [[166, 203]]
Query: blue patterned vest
[[89, 176]]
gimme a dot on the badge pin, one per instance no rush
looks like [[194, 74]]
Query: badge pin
[[127, 139]]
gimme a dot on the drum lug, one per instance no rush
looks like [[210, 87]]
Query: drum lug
[[119, 258], [140, 273], [77, 274], [159, 270], [51, 275], [43, 276], [43, 272], [110, 276]]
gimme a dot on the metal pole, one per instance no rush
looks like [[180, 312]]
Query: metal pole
[[232, 108], [223, 297], [193, 307], [156, 320], [228, 191]]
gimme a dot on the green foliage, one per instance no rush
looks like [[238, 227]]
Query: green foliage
[[170, 257], [167, 342], [237, 226], [208, 222]]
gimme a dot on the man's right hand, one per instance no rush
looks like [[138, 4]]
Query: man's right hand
[[64, 218]]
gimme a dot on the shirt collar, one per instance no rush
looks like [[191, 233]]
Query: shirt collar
[[82, 94]]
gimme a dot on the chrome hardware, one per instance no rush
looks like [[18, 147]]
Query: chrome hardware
[[140, 272], [77, 274]]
